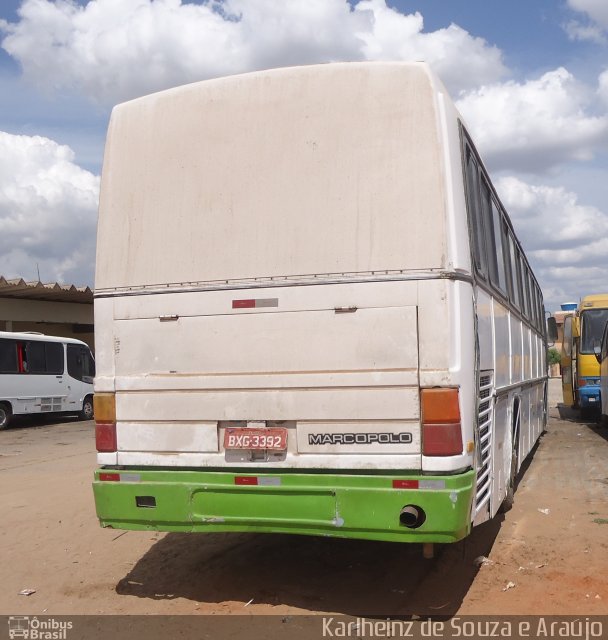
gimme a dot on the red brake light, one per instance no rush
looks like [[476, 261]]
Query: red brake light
[[442, 439], [441, 426], [105, 437]]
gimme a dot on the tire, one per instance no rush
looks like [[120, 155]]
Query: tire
[[87, 409], [587, 413], [5, 416]]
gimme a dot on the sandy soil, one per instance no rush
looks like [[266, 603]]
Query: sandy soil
[[557, 561]]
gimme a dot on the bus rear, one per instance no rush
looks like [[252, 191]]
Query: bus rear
[[281, 317]]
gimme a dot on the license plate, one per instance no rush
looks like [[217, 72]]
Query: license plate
[[274, 439]]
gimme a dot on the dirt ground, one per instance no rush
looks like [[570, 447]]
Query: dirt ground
[[549, 555]]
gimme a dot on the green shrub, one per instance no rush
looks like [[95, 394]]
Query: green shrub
[[554, 356]]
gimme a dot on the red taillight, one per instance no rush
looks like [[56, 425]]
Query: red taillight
[[441, 427], [582, 382], [105, 437], [246, 480], [442, 439], [105, 422]]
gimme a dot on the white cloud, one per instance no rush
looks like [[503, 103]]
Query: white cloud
[[537, 124], [603, 87], [111, 50], [461, 60], [584, 32], [48, 209], [566, 241], [597, 10]]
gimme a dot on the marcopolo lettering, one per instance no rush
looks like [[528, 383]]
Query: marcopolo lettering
[[359, 438]]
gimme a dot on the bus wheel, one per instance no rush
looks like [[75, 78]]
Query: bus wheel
[[5, 416], [87, 409]]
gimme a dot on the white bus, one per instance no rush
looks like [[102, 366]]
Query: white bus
[[44, 374], [312, 312]]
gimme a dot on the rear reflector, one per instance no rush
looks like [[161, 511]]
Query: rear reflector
[[256, 303], [243, 304], [247, 480], [441, 428], [109, 477], [405, 484], [105, 437], [435, 485]]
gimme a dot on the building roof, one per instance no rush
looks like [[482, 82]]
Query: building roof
[[49, 291]]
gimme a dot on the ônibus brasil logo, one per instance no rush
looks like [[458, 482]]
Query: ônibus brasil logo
[[35, 629]]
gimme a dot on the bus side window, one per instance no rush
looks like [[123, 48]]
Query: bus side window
[[54, 357], [507, 251], [39, 357], [81, 365], [35, 358], [475, 213], [515, 272], [88, 366], [534, 296], [496, 254], [532, 299], [523, 279], [539, 309], [8, 356], [529, 294], [533, 305]]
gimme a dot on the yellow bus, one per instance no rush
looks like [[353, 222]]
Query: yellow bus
[[583, 330]]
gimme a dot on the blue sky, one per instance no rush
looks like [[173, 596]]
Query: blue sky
[[530, 77]]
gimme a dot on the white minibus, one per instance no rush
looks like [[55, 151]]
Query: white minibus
[[44, 374]]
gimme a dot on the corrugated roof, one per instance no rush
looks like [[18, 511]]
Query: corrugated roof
[[50, 291]]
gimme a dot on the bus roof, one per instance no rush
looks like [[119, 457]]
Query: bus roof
[[596, 300], [33, 336], [323, 169]]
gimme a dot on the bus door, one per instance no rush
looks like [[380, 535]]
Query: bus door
[[567, 362]]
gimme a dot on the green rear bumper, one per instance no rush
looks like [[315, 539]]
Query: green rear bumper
[[340, 505]]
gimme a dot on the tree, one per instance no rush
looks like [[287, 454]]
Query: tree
[[553, 356]]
